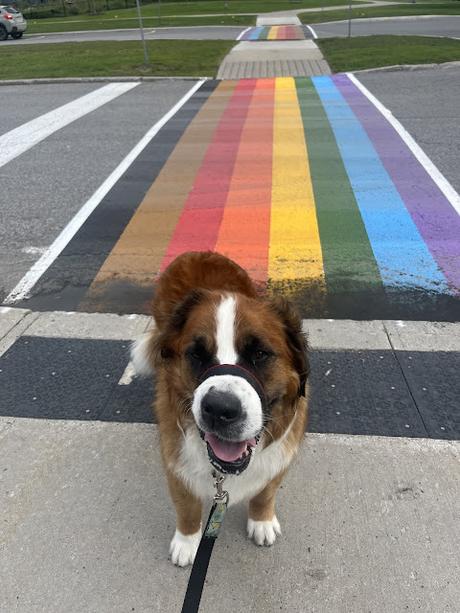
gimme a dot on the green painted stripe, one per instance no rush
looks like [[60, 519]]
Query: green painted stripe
[[264, 33], [349, 264]]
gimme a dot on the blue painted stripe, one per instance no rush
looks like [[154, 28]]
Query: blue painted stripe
[[402, 256], [255, 33]]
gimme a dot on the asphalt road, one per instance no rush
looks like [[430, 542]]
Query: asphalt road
[[45, 186], [441, 25], [48, 184], [426, 103], [180, 33]]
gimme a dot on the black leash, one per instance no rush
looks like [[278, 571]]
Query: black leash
[[203, 555]]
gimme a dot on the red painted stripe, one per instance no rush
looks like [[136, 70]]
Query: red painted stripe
[[244, 233], [291, 33], [199, 222], [281, 33]]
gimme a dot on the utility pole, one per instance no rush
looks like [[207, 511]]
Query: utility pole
[[349, 19], [141, 28]]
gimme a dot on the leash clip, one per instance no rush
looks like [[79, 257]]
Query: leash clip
[[221, 495]]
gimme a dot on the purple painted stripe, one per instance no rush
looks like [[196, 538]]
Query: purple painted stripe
[[436, 219]]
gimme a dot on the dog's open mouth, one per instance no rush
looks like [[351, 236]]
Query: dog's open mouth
[[231, 457]]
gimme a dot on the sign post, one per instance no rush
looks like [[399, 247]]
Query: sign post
[[141, 28]]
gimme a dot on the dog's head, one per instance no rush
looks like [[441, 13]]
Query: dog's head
[[237, 364]]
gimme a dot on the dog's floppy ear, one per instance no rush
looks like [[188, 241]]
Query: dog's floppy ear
[[296, 339], [165, 340]]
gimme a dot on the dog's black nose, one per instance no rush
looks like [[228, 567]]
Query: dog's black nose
[[220, 408]]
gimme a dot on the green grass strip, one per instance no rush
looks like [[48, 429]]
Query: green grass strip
[[362, 52], [349, 262], [114, 58]]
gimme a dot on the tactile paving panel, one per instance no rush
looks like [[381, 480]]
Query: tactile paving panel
[[434, 381], [382, 393], [361, 392], [70, 379]]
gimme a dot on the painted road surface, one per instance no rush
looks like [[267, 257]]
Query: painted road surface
[[304, 182], [286, 32]]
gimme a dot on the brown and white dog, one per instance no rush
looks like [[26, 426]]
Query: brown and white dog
[[231, 371]]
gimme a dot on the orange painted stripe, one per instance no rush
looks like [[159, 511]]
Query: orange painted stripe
[[198, 226], [138, 253], [244, 233]]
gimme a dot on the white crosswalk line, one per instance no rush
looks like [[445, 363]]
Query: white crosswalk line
[[446, 188], [21, 139], [27, 282]]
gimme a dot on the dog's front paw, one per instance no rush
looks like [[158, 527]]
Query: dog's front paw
[[183, 548], [264, 532]]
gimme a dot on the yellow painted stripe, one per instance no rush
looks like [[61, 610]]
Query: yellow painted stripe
[[273, 33], [295, 248]]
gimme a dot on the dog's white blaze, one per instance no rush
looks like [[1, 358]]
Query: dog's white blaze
[[225, 331], [246, 394]]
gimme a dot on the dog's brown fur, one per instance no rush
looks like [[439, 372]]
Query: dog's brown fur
[[185, 300]]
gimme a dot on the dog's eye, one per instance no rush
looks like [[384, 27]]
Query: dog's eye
[[195, 355], [259, 356], [198, 354]]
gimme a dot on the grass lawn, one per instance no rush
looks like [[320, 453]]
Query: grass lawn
[[174, 14], [345, 54], [397, 10], [233, 6], [96, 59]]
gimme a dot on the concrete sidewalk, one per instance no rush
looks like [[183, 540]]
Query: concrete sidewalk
[[299, 58], [369, 524], [277, 58]]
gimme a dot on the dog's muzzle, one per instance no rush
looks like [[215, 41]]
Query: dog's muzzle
[[222, 412]]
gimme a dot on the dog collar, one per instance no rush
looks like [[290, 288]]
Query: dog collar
[[237, 371]]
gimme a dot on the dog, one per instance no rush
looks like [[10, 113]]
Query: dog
[[231, 392]]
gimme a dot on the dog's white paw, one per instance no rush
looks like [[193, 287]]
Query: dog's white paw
[[183, 548], [264, 532]]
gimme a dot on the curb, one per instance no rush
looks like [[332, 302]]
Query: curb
[[410, 67], [58, 80]]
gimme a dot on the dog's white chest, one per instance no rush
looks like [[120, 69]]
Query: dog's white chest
[[195, 470]]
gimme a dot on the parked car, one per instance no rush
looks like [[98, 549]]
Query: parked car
[[11, 23]]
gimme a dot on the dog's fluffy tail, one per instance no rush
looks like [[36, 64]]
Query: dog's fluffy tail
[[140, 355]]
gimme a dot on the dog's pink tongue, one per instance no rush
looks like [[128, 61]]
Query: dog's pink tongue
[[228, 451]]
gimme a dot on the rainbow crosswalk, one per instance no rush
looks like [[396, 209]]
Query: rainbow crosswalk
[[286, 32], [304, 183]]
